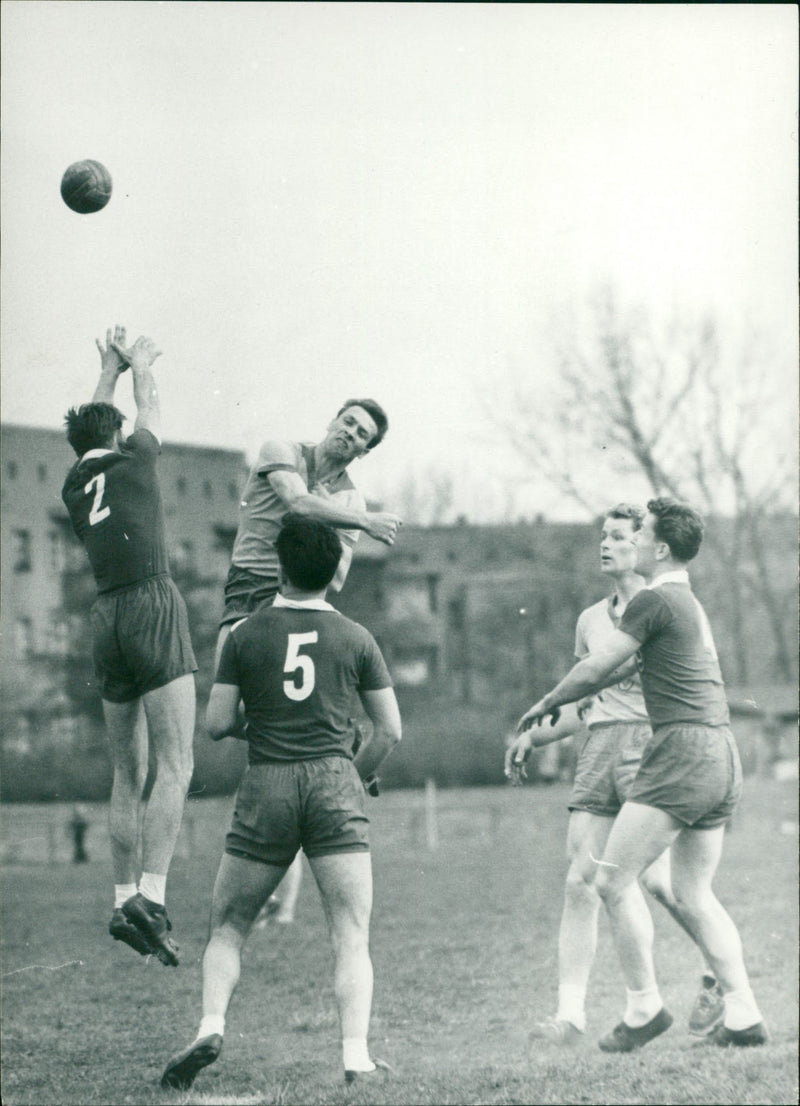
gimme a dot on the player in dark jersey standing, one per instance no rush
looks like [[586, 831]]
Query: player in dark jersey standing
[[685, 791], [297, 667], [142, 648]]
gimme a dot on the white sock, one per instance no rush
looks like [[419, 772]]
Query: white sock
[[153, 887], [211, 1023], [571, 1003], [642, 1006], [356, 1054], [740, 1009], [122, 892]]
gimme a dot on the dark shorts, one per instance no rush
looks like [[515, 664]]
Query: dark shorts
[[607, 766], [141, 639], [691, 772], [245, 592], [316, 805]]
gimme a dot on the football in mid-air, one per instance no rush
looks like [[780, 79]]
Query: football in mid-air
[[86, 186]]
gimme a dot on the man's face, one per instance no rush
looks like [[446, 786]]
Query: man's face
[[350, 434], [617, 546], [646, 544]]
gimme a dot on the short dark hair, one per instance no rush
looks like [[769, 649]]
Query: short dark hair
[[309, 552], [628, 510], [377, 413], [679, 525], [92, 426]]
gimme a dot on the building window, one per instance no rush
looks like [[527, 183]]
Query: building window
[[208, 490], [22, 551], [23, 637], [12, 470], [41, 472], [55, 543], [180, 484]]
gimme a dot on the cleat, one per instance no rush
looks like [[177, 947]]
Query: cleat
[[557, 1031], [740, 1038], [708, 1010], [152, 922], [624, 1038], [382, 1071], [121, 930], [181, 1070]]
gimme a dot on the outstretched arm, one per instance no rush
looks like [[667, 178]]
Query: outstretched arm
[[381, 525], [141, 356], [112, 365], [585, 678], [384, 713]]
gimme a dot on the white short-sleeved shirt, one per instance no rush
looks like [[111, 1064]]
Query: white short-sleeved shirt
[[623, 702], [261, 509]]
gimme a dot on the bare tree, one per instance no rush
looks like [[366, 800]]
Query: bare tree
[[670, 411]]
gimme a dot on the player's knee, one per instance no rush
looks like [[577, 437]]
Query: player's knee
[[580, 882], [658, 889]]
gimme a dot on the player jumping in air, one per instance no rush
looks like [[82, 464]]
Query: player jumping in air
[[619, 728], [311, 481], [686, 788], [142, 650], [297, 666]]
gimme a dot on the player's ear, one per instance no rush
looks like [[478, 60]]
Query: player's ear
[[282, 578]]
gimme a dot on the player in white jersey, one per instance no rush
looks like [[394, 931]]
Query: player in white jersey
[[618, 729], [310, 480]]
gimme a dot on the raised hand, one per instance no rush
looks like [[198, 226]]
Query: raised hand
[[141, 354], [111, 359]]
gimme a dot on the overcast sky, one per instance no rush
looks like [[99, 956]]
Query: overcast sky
[[315, 201]]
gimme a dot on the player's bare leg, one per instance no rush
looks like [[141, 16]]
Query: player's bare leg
[[345, 883], [170, 714], [289, 891], [127, 736], [707, 1010], [695, 857], [240, 890], [640, 834], [577, 937]]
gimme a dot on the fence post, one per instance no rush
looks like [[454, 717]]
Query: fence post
[[431, 822]]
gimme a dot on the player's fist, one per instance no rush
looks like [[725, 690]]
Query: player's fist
[[383, 526]]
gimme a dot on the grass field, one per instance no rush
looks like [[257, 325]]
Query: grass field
[[464, 949]]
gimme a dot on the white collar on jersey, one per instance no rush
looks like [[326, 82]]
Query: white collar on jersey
[[677, 576], [93, 453], [302, 604]]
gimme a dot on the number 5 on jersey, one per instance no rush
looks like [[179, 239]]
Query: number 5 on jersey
[[298, 662]]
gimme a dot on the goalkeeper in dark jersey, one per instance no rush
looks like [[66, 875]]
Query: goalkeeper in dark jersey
[[142, 650], [297, 666]]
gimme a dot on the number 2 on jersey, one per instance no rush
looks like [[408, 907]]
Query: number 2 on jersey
[[97, 513], [299, 662]]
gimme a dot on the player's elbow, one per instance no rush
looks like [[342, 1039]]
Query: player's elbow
[[220, 723]]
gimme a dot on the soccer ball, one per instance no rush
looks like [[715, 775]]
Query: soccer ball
[[86, 186]]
